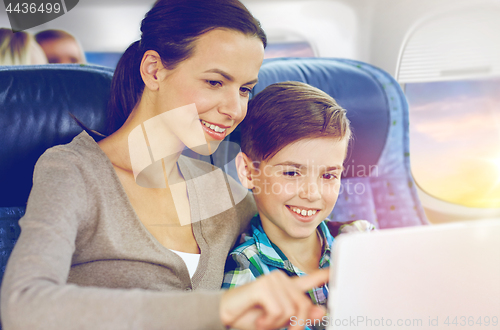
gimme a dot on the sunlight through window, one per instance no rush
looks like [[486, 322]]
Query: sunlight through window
[[455, 140]]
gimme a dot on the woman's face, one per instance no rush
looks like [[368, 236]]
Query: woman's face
[[217, 79]]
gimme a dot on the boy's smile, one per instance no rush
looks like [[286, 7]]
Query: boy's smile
[[297, 188], [303, 213]]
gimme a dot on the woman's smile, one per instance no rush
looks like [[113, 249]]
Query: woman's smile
[[216, 131]]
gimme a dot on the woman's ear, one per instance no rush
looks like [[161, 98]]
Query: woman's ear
[[150, 66], [244, 167]]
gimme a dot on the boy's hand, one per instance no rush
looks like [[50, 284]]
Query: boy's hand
[[356, 226], [271, 300], [337, 228]]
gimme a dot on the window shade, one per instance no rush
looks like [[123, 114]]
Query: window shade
[[462, 44]]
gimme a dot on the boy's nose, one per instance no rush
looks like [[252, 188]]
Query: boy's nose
[[310, 191]]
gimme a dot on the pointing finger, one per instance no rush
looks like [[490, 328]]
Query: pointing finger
[[312, 280]]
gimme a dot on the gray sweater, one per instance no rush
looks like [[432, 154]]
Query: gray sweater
[[85, 261]]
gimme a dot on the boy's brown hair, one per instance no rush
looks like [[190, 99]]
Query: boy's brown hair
[[286, 112]]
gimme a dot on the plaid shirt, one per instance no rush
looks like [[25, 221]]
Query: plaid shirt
[[258, 256]]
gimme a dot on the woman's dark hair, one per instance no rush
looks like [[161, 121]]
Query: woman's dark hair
[[289, 111], [170, 28]]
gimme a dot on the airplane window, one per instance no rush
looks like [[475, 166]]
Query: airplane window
[[455, 140], [289, 49]]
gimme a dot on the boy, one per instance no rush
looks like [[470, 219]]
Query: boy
[[294, 142]]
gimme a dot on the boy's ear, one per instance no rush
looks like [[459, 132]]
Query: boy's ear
[[244, 167]]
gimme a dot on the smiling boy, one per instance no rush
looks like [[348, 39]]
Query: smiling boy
[[294, 142]]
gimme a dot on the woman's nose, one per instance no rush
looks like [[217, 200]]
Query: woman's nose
[[233, 106]]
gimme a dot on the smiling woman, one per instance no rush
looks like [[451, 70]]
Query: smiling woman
[[100, 250], [212, 78]]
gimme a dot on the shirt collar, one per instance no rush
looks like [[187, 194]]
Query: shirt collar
[[272, 255]]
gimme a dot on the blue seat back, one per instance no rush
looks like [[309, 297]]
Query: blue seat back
[[35, 107]]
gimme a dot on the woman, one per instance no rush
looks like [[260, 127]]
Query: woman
[[19, 48], [99, 238]]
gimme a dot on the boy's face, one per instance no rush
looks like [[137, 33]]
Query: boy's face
[[297, 188]]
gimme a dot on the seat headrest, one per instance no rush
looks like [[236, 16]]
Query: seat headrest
[[35, 107]]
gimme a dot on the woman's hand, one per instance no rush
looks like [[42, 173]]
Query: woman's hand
[[271, 300]]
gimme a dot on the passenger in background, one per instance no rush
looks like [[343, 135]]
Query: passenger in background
[[60, 47], [19, 48]]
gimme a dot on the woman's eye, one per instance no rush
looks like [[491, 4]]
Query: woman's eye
[[245, 91], [291, 173], [329, 176], [214, 83]]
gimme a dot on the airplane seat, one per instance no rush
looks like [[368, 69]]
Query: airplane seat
[[35, 102], [377, 184]]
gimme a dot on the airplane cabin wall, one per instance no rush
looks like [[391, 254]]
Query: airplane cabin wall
[[331, 27]]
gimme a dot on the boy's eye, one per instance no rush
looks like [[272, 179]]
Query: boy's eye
[[214, 83], [329, 176]]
